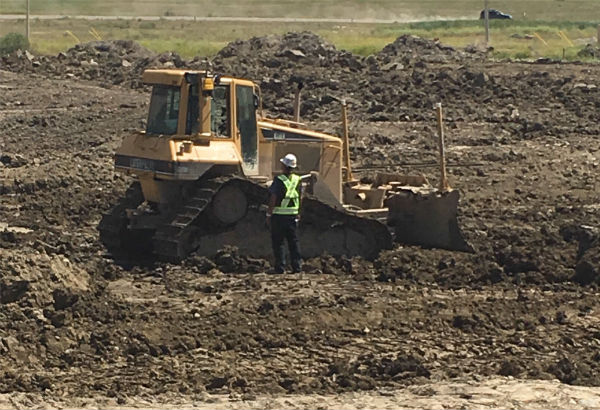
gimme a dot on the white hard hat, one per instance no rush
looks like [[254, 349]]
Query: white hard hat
[[289, 161]]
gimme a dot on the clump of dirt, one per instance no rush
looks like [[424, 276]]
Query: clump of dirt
[[571, 371], [229, 260], [510, 368], [587, 270], [367, 371], [12, 160], [13, 291], [589, 51], [588, 253]]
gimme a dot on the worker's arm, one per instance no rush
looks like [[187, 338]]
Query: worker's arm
[[301, 192], [272, 203]]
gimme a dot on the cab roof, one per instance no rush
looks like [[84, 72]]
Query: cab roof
[[169, 76]]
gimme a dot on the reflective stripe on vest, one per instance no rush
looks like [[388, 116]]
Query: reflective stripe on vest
[[290, 204]]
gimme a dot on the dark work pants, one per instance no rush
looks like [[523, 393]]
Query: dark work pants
[[285, 227]]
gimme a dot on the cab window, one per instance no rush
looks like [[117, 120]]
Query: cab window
[[164, 110], [220, 111], [246, 123], [192, 125]]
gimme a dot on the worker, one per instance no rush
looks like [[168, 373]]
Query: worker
[[283, 214]]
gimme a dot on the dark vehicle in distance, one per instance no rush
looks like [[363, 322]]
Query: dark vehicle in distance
[[495, 14]]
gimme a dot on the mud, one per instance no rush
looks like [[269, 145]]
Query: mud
[[522, 149]]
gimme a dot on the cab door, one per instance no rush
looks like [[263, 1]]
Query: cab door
[[246, 125]]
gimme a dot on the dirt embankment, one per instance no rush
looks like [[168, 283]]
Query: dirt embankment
[[523, 152]]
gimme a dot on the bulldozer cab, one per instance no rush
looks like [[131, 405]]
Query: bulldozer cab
[[232, 116], [221, 109], [199, 124], [216, 110]]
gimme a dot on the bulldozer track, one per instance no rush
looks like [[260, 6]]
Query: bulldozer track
[[113, 225], [175, 239]]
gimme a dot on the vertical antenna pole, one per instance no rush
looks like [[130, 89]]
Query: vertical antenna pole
[[443, 179], [346, 138], [27, 23], [487, 23], [297, 103]]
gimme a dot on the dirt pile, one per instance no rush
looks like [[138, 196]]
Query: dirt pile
[[117, 62], [280, 63], [407, 50], [288, 51]]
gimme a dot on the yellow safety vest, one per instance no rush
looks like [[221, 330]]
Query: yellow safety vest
[[290, 204]]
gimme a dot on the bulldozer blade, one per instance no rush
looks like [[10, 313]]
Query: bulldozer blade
[[326, 229], [427, 219]]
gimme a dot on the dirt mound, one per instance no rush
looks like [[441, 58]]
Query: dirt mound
[[370, 84], [118, 62], [280, 63], [274, 51], [408, 48], [571, 371]]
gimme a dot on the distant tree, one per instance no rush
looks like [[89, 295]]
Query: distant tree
[[12, 42]]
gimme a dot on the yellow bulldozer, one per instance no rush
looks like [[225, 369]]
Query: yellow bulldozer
[[207, 155]]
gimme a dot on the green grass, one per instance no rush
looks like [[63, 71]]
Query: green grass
[[510, 39]]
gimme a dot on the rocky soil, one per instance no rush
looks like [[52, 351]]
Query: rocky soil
[[523, 150]]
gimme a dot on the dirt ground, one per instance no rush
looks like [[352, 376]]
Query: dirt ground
[[514, 324]]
